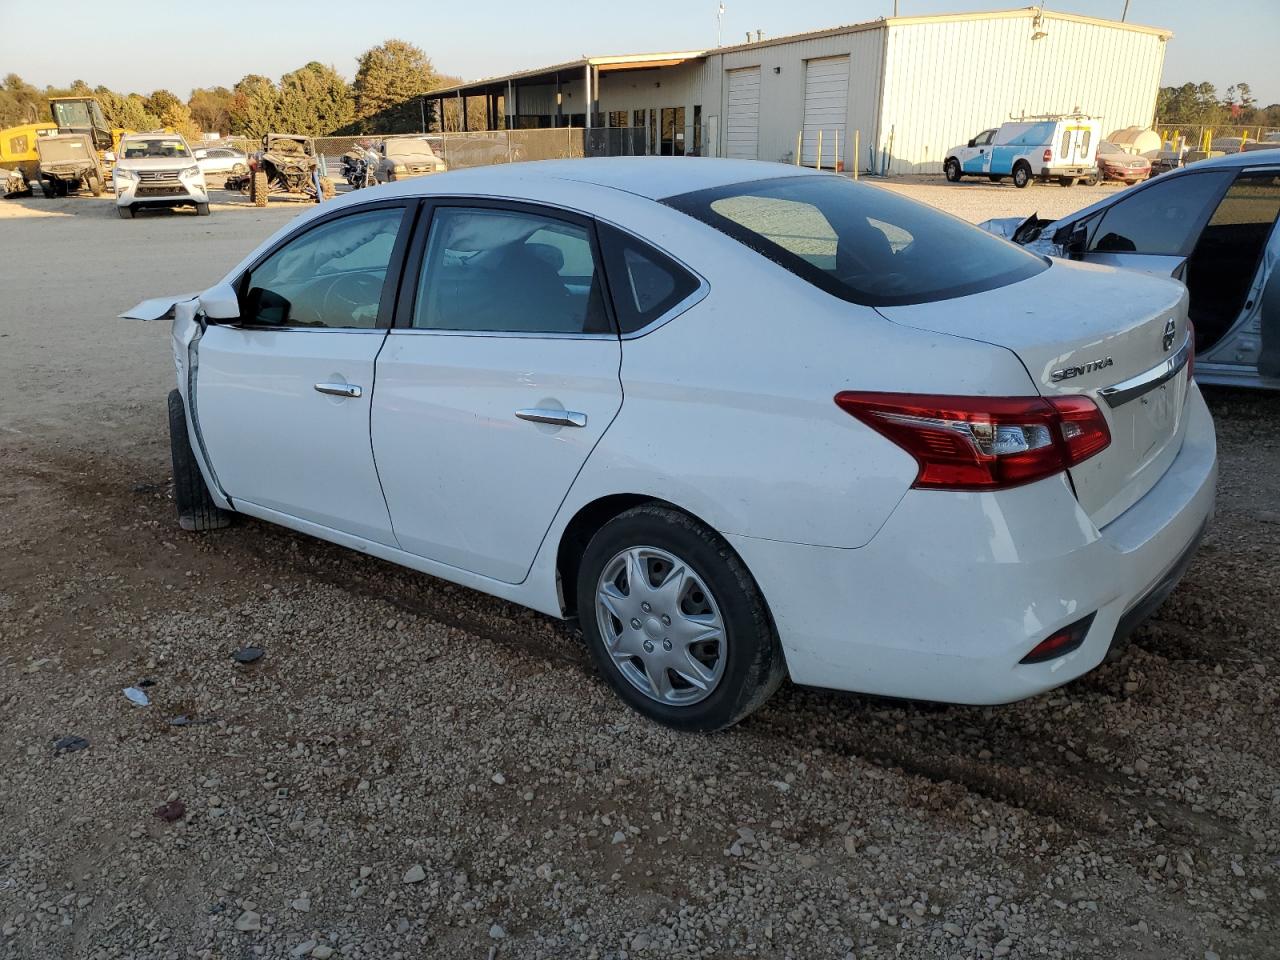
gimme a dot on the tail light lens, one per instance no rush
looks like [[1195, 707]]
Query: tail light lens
[[984, 443], [1061, 643], [1048, 154]]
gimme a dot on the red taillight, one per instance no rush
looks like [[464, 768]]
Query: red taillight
[[983, 443], [1048, 154]]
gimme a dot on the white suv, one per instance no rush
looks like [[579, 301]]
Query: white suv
[[158, 170]]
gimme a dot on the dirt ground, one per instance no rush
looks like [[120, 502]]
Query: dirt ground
[[416, 770]]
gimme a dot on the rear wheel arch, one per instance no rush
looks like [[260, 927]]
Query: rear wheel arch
[[584, 525]]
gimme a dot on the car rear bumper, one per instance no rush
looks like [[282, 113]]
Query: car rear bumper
[[1051, 173], [957, 588]]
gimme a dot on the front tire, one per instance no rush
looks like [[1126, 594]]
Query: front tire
[[952, 169], [125, 213], [1021, 176], [704, 654], [202, 209], [196, 509], [258, 189]]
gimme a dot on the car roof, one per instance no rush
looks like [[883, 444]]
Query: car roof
[[653, 177]]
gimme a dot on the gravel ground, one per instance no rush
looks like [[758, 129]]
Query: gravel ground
[[413, 769]]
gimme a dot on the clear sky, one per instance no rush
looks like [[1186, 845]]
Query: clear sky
[[141, 45]]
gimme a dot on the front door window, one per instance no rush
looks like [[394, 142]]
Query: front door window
[[332, 276]]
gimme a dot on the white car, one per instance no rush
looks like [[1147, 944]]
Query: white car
[[1213, 225], [221, 161], [742, 420], [158, 170]]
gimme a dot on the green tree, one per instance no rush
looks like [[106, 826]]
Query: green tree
[[211, 108], [125, 110], [178, 117], [389, 82], [314, 100], [254, 107], [160, 102], [20, 102]]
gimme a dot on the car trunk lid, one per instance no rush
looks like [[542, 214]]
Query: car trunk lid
[[1115, 336]]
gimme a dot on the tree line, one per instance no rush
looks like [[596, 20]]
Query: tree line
[[315, 99], [1199, 104]]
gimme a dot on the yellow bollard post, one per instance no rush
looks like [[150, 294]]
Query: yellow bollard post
[[839, 167], [799, 143], [819, 164]]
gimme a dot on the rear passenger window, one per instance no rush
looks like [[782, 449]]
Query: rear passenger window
[[508, 271], [645, 283]]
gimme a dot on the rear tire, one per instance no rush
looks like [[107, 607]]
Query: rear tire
[[258, 189], [47, 189], [202, 209], [1021, 175], [95, 184], [196, 509], [952, 170], [739, 658]]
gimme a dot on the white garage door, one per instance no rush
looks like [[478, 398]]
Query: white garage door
[[742, 134], [826, 108]]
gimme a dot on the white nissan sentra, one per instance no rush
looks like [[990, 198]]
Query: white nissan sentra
[[742, 420]]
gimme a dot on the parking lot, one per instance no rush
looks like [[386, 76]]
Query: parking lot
[[413, 769]]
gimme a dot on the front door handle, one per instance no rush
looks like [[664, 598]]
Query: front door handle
[[560, 418], [339, 390]]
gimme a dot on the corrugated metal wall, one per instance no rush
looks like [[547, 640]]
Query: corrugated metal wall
[[947, 80], [782, 73]]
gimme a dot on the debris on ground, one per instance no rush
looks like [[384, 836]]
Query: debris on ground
[[137, 697]]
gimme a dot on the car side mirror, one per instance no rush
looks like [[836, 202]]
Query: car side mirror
[[220, 303], [201, 154], [973, 141]]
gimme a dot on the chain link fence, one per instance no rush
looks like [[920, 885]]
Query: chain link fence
[[481, 148], [1195, 136]]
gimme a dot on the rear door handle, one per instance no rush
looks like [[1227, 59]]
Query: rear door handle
[[560, 418], [339, 390]]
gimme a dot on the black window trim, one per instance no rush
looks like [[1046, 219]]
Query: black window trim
[[676, 309], [390, 285], [403, 319]]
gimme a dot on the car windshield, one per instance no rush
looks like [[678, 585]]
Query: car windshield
[[72, 114], [55, 149], [157, 147], [858, 242], [1105, 147], [409, 148]]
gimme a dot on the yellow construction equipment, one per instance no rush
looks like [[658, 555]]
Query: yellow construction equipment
[[18, 148]]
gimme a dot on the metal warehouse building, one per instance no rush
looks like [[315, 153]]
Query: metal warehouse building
[[904, 89]]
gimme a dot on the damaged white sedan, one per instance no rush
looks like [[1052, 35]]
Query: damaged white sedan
[[1214, 225], [742, 420]]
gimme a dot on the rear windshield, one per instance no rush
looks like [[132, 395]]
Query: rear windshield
[[861, 243]]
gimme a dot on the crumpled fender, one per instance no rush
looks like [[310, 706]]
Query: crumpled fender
[[185, 334]]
